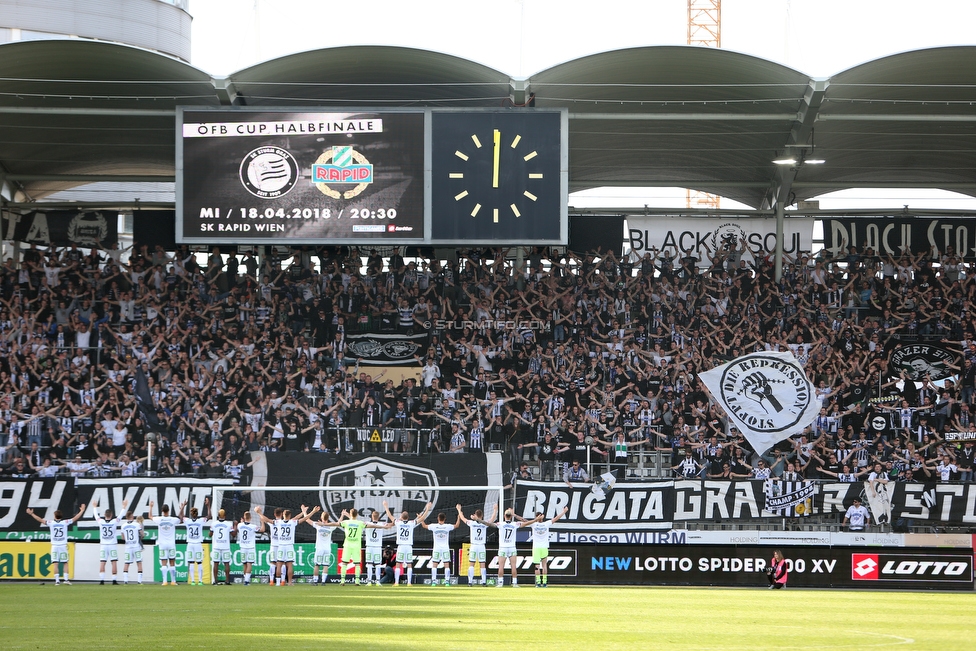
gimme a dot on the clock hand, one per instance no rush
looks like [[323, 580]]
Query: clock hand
[[498, 148]]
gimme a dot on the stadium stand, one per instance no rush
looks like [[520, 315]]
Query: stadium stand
[[239, 355]]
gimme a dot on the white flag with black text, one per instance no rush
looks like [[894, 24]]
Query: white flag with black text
[[766, 395]]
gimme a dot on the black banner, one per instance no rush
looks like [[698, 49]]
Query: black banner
[[63, 227], [887, 234], [657, 505], [134, 494], [811, 567], [951, 437], [428, 478], [921, 361], [385, 350], [949, 503], [44, 496], [305, 469], [587, 234], [154, 227]]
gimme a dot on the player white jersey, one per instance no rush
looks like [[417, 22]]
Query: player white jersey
[[405, 532], [506, 534], [108, 533], [194, 530], [323, 536], [374, 537], [442, 534], [59, 532], [276, 533], [286, 532], [246, 534], [479, 533], [220, 531], [166, 530], [131, 534], [540, 535]]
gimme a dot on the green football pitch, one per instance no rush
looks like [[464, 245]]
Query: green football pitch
[[404, 618]]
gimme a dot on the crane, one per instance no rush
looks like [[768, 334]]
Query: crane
[[705, 29]]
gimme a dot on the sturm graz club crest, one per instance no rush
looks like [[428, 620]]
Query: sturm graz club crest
[[395, 350], [767, 393], [400, 349], [373, 475], [88, 228], [269, 172], [919, 361]]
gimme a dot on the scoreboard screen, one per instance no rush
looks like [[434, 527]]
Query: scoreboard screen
[[371, 176], [306, 177]]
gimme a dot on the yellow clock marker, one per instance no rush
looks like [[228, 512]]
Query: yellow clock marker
[[494, 169], [515, 210], [516, 141], [461, 155], [530, 156], [458, 197], [494, 214], [477, 207], [535, 176], [474, 139], [455, 175], [530, 195]]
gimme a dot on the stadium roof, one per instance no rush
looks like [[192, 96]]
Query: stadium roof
[[75, 112]]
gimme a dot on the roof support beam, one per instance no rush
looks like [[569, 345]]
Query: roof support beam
[[831, 185], [519, 91], [689, 117], [835, 117], [67, 110], [778, 195], [226, 92], [94, 178], [107, 205]]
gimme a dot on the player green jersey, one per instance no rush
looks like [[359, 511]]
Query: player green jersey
[[354, 533]]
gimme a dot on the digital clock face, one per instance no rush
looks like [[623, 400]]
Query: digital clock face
[[496, 177]]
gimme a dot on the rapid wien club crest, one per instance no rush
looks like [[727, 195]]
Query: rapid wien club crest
[[373, 475], [342, 166]]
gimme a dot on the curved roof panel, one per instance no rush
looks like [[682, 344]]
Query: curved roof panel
[[701, 118], [385, 76], [688, 116], [902, 119], [64, 103]]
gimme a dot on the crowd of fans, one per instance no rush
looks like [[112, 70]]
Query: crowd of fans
[[560, 360]]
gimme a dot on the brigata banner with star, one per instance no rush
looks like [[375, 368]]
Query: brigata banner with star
[[766, 395]]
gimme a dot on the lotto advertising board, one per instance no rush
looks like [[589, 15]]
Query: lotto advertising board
[[304, 176], [812, 567]]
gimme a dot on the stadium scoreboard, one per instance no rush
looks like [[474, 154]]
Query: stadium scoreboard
[[371, 176]]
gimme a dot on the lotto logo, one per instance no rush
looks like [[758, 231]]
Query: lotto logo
[[864, 567]]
